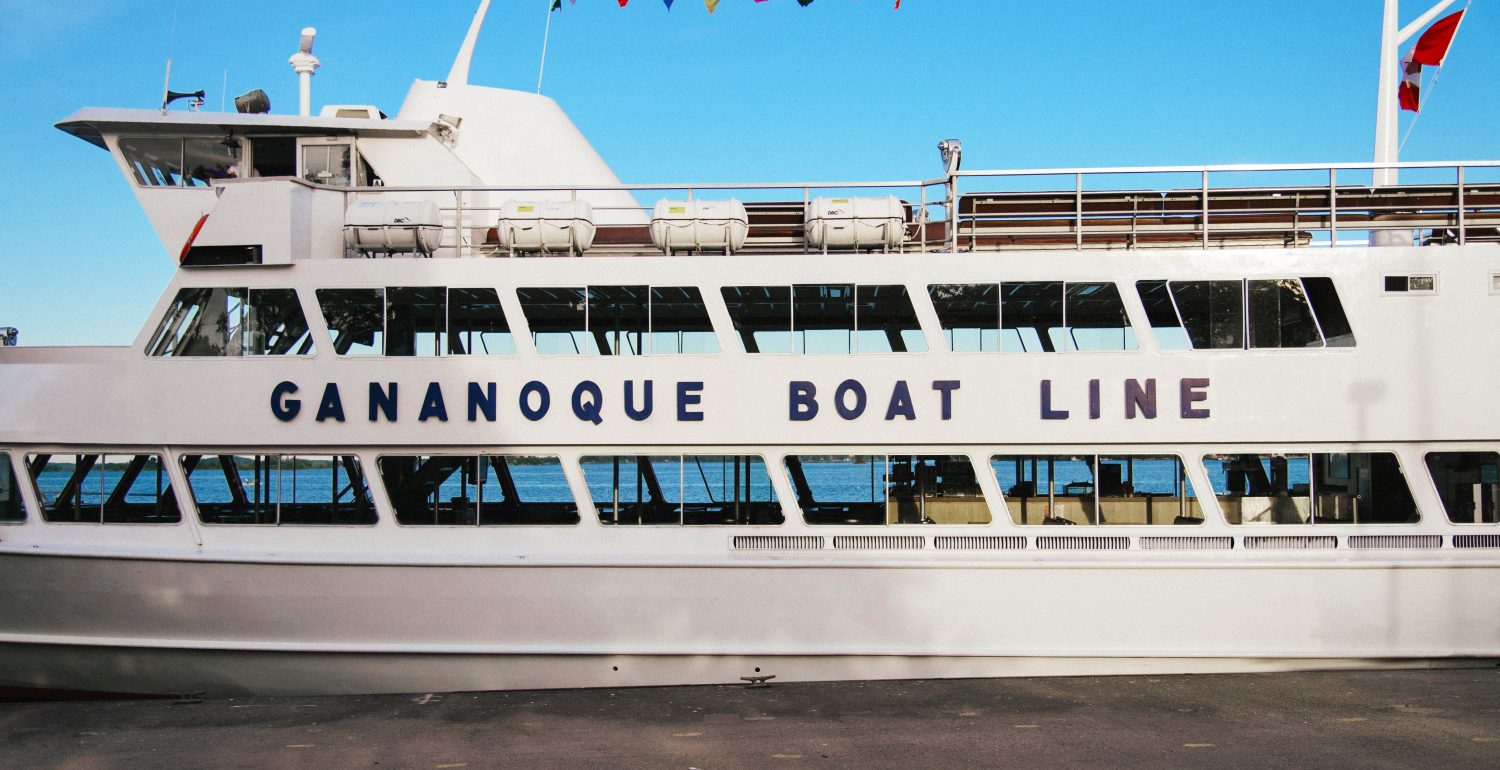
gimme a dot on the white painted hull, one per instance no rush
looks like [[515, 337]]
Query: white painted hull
[[161, 626]]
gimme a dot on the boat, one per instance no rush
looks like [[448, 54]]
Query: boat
[[435, 402]]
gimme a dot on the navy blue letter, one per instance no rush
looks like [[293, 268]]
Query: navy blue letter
[[689, 394], [1048, 413], [284, 408], [332, 406], [803, 401], [544, 400]]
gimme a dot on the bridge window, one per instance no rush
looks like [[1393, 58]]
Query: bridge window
[[689, 490], [618, 320], [887, 489], [232, 322], [279, 489], [1033, 317], [11, 508], [1246, 314], [1320, 488], [484, 490], [416, 321], [104, 489], [1468, 483], [1092, 489], [824, 319], [160, 161]]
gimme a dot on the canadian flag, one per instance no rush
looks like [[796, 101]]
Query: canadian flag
[[1431, 49]]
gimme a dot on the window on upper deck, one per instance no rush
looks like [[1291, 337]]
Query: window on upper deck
[[179, 162], [1095, 489], [1468, 483], [1032, 317], [483, 490], [678, 489], [887, 489], [232, 322], [1318, 488], [279, 489], [1246, 314], [416, 321], [103, 489], [11, 508], [618, 320], [818, 319]]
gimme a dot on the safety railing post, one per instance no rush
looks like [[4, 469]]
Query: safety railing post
[[1462, 239], [1333, 207], [1078, 210], [1205, 208]]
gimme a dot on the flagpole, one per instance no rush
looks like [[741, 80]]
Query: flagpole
[[546, 33]]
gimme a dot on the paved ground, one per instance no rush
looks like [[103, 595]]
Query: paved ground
[[1398, 719]]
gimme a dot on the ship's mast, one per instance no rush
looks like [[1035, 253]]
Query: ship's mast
[[1387, 110], [459, 75]]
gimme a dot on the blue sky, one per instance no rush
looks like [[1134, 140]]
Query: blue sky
[[841, 90]]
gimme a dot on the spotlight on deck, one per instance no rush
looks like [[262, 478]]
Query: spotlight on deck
[[952, 151], [255, 102]]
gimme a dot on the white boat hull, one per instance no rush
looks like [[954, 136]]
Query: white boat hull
[[171, 626]]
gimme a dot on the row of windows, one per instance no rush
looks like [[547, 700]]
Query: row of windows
[[455, 490], [1027, 316]]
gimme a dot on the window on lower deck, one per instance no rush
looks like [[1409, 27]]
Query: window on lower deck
[[232, 322], [483, 490], [618, 320], [887, 489], [1097, 489], [103, 489], [11, 508], [1320, 488], [1246, 314], [416, 321], [1033, 317], [1468, 483], [279, 489], [816, 319], [675, 489]]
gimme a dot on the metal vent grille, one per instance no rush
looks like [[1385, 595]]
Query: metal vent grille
[[979, 542], [880, 542], [1187, 543], [1395, 541], [1291, 542], [778, 542], [1066, 543], [1476, 541]]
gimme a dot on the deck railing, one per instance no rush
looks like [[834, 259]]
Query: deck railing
[[1087, 208]]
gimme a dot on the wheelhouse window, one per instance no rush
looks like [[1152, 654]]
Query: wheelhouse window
[[416, 321], [279, 489], [179, 162], [1097, 489], [232, 322], [686, 490], [618, 320], [821, 319], [104, 489], [1468, 483], [887, 489], [1033, 317], [482, 490], [1319, 488], [1246, 314], [11, 508]]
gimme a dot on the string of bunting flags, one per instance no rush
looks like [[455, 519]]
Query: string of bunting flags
[[712, 5]]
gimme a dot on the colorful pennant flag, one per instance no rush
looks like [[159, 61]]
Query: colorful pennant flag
[[1431, 49], [556, 5], [712, 4]]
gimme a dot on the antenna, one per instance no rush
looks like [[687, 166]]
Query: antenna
[[305, 64], [459, 75]]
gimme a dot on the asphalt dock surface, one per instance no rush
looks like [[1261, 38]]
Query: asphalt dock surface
[[1440, 719]]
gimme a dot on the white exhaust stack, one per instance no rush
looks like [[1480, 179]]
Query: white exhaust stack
[[304, 64]]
